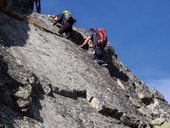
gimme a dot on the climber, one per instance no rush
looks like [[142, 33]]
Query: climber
[[66, 20], [38, 5], [99, 42]]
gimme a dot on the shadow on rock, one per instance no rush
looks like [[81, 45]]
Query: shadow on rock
[[17, 98], [13, 23], [34, 111], [113, 69], [17, 94], [77, 38]]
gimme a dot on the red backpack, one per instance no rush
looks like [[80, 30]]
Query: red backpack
[[103, 38]]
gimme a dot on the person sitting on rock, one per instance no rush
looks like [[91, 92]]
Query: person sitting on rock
[[99, 42], [38, 5], [66, 20]]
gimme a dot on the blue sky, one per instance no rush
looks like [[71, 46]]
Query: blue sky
[[138, 30]]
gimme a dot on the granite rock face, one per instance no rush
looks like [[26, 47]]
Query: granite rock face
[[47, 81]]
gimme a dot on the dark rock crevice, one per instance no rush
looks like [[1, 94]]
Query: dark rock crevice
[[128, 120], [113, 69], [114, 113], [147, 100], [90, 100], [73, 94]]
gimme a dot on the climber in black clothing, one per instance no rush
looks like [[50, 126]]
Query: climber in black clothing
[[66, 20], [38, 5]]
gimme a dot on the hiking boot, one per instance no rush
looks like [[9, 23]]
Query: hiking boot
[[67, 36], [59, 34], [101, 63], [104, 65], [96, 61]]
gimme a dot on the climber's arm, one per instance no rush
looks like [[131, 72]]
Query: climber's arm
[[59, 19], [86, 41]]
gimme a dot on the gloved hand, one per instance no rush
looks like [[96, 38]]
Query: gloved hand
[[91, 46]]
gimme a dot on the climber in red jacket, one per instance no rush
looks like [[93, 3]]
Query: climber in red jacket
[[99, 41]]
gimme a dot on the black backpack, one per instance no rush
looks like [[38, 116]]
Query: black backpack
[[69, 18]]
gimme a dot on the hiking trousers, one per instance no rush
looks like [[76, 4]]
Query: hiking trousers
[[98, 55], [67, 29], [37, 4]]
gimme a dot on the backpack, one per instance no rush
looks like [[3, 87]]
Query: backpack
[[102, 37], [68, 17]]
